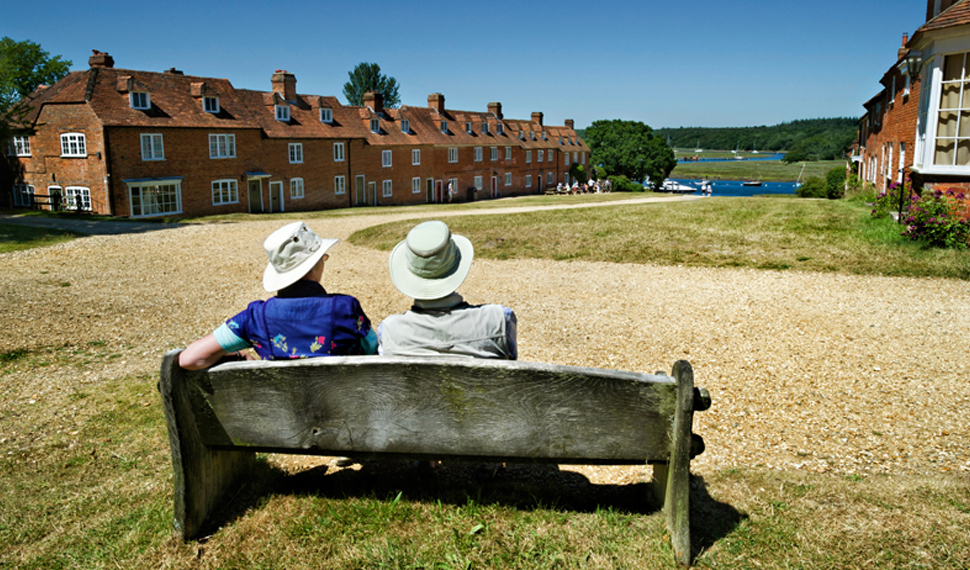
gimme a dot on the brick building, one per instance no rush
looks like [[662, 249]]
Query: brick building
[[138, 143], [918, 126]]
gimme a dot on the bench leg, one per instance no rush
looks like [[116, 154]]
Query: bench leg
[[676, 474], [203, 476]]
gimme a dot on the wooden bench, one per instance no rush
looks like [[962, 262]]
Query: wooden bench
[[447, 408]]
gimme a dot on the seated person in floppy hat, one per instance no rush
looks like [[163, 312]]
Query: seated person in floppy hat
[[301, 321], [429, 266]]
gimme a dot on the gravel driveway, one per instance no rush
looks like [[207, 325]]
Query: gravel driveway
[[812, 371]]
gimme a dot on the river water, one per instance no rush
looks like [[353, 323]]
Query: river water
[[736, 188]]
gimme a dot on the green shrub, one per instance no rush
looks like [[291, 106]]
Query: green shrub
[[814, 187], [931, 218], [621, 183], [578, 172], [859, 190], [888, 200], [835, 183]]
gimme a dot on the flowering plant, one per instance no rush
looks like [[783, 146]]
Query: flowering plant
[[888, 200], [931, 218]]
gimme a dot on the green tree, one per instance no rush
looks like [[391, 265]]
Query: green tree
[[629, 148], [578, 172], [368, 77], [24, 66], [835, 183]]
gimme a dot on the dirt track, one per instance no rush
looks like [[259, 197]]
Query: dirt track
[[806, 371]]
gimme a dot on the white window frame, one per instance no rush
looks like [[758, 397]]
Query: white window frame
[[508, 178], [387, 188], [74, 145], [283, 113], [444, 127], [326, 115], [297, 189], [550, 179], [340, 184], [77, 198], [416, 185], [508, 153], [928, 122], [148, 203], [566, 158], [468, 127], [225, 191], [375, 126], [211, 105], [140, 100], [386, 160], [499, 129], [152, 146], [484, 128], [494, 153], [478, 154], [528, 157], [405, 126], [453, 154], [540, 156], [296, 153], [222, 146], [415, 157], [19, 146], [528, 181], [478, 183], [550, 156], [339, 155]]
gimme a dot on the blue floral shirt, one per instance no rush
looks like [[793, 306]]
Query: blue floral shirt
[[301, 321]]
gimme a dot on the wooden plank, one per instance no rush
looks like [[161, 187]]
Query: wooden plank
[[203, 476], [440, 407]]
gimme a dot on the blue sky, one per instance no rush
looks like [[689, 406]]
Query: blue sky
[[668, 64]]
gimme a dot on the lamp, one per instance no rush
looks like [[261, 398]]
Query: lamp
[[914, 59]]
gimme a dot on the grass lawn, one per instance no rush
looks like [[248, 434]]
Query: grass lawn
[[763, 232], [766, 171], [14, 237]]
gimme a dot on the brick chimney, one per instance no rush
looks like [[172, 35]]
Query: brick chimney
[[495, 109], [537, 118], [374, 100], [284, 83], [100, 59], [901, 52], [569, 124], [436, 101]]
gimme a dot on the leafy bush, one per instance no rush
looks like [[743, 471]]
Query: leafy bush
[[835, 183], [887, 201], [859, 190], [814, 187], [623, 184], [578, 172], [931, 218]]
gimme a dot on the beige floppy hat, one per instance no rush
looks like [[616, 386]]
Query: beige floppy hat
[[293, 250], [431, 263]]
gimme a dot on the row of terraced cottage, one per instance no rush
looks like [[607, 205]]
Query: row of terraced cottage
[[136, 143], [917, 128]]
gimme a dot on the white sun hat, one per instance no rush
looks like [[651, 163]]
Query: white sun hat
[[293, 250], [431, 263]]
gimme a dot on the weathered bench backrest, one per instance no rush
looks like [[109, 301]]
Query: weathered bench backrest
[[439, 407]]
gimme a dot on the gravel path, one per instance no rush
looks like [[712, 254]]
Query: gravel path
[[809, 371]]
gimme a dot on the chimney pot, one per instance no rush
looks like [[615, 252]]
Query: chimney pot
[[100, 59], [284, 83], [537, 118], [436, 101]]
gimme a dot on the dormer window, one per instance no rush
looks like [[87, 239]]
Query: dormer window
[[326, 115], [210, 104], [375, 125], [468, 127], [498, 129], [140, 100], [521, 135], [444, 127], [560, 139], [544, 137], [484, 128], [406, 126], [283, 113], [532, 135]]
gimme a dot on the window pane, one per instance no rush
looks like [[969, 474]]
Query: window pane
[[950, 96], [963, 152], [948, 124], [944, 152]]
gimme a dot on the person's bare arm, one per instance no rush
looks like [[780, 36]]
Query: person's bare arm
[[202, 353]]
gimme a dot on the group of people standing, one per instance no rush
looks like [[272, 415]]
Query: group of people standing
[[589, 187], [303, 320]]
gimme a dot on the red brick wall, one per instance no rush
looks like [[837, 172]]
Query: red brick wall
[[895, 124]]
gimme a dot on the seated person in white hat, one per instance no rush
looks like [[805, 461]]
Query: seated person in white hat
[[429, 266], [301, 321]]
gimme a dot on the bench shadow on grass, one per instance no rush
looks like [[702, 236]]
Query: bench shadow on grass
[[520, 486]]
